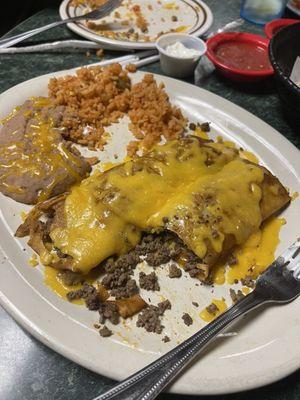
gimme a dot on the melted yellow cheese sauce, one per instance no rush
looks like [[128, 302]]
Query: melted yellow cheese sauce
[[247, 155], [23, 215], [53, 280], [170, 6], [257, 253], [235, 195], [254, 256], [107, 166], [33, 261], [47, 154], [182, 28], [245, 290], [207, 316], [295, 196], [205, 192], [198, 132], [92, 232]]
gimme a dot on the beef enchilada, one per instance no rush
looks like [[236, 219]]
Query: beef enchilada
[[201, 191]]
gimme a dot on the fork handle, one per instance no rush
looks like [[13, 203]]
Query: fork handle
[[7, 42], [151, 380]]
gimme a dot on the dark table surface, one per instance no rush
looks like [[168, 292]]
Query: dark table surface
[[28, 369]]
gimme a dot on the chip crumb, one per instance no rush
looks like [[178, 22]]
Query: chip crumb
[[92, 160], [100, 53], [131, 68]]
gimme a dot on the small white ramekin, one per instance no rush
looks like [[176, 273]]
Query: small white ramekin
[[179, 67]]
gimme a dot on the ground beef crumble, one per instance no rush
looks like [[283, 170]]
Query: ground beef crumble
[[119, 282], [248, 281], [81, 293], [156, 250], [212, 309], [109, 311], [166, 339], [165, 247], [105, 332], [70, 278], [149, 282], [236, 296], [174, 271], [118, 278], [205, 127], [88, 293], [195, 268], [192, 126], [159, 249], [150, 317], [187, 319]]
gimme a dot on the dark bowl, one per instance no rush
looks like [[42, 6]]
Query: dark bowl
[[283, 49]]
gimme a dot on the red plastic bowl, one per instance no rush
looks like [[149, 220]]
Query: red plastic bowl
[[274, 26], [239, 75]]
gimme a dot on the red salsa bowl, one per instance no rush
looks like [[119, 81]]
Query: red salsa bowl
[[240, 56]]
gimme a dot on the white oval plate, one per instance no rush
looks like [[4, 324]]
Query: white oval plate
[[195, 15], [264, 348], [291, 7]]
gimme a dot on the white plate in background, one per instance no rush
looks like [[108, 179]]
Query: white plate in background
[[195, 15], [292, 8]]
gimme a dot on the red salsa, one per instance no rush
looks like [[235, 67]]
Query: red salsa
[[243, 56]]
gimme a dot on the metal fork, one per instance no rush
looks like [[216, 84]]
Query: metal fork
[[106, 9], [280, 283]]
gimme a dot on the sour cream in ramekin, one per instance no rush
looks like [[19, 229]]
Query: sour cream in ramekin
[[178, 49], [179, 53]]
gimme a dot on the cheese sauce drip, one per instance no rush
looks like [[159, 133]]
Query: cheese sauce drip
[[180, 186], [254, 256], [53, 280], [38, 153], [257, 253], [221, 307]]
